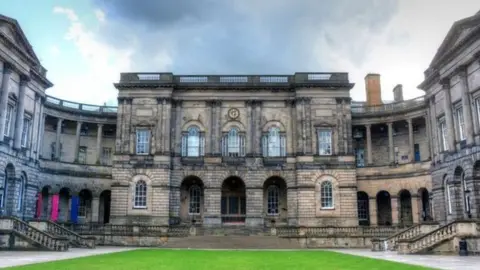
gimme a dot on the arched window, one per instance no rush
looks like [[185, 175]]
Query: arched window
[[448, 195], [195, 197], [274, 143], [140, 194], [193, 143], [233, 144], [21, 190], [272, 200], [326, 195]]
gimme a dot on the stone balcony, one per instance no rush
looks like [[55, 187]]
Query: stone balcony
[[361, 109], [75, 169], [402, 170]]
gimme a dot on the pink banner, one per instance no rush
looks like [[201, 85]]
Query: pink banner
[[55, 200], [39, 205]]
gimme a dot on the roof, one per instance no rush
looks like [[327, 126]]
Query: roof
[[21, 36]]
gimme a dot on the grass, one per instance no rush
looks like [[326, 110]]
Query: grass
[[215, 260]]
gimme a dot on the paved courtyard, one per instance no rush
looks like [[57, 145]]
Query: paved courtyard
[[435, 261], [15, 258]]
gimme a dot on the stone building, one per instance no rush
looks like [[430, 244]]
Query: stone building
[[451, 85], [252, 150]]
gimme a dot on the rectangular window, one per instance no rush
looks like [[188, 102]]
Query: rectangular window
[[83, 207], [26, 130], [461, 124], [106, 155], [8, 120], [443, 134], [82, 154], [143, 141], [324, 139]]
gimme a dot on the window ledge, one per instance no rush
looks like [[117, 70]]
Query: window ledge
[[192, 160], [140, 207], [327, 208]]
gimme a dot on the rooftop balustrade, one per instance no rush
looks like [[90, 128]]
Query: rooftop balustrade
[[362, 108], [69, 105]]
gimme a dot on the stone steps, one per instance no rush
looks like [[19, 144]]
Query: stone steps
[[232, 231], [233, 242]]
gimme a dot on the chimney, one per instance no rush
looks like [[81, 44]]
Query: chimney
[[373, 89], [398, 93]]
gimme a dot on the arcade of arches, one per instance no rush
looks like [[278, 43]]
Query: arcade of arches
[[67, 206], [403, 209]]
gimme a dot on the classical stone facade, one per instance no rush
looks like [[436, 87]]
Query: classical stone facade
[[250, 150], [452, 84]]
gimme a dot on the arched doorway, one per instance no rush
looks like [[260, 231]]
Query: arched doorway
[[64, 205], [405, 215], [459, 176], [384, 208], [275, 199], [85, 206], [44, 203], [363, 209], [104, 207], [426, 213], [233, 202], [191, 200]]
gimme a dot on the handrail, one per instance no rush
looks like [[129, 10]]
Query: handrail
[[407, 233], [80, 106], [434, 237], [43, 238], [57, 229]]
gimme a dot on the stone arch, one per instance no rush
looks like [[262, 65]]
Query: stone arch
[[191, 199], [233, 124], [192, 123], [64, 197], [44, 204], [275, 201], [105, 199], [384, 208], [459, 176], [274, 123], [424, 204], [447, 196], [405, 216], [85, 197], [363, 208], [233, 200], [277, 173], [8, 188], [236, 174]]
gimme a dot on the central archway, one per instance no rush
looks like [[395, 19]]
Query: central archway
[[233, 203]]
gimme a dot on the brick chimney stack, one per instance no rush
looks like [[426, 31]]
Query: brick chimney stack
[[373, 89], [398, 93]]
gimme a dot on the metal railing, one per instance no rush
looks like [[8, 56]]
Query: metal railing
[[363, 108], [80, 106]]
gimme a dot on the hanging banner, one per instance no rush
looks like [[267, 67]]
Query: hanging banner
[[74, 210], [55, 201]]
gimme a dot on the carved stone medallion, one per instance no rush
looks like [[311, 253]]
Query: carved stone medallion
[[233, 113]]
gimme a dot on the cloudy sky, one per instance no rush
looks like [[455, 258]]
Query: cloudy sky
[[86, 44]]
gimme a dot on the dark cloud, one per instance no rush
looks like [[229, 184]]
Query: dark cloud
[[243, 36]]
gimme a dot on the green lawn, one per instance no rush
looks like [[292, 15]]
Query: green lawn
[[214, 260]]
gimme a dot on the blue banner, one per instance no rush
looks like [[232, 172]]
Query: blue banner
[[74, 210]]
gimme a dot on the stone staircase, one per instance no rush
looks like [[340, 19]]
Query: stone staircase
[[55, 229], [391, 243], [233, 242], [231, 230], [16, 233]]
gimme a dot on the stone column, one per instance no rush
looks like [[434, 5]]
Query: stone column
[[57, 139], [77, 140], [5, 87], [168, 114], [390, 143], [448, 115], [258, 129], [291, 132], [308, 126], [209, 132], [369, 144], [254, 205], [249, 130], [466, 105], [395, 209], [429, 135], [159, 133], [372, 211], [95, 208], [99, 142], [299, 127], [17, 137], [41, 130], [410, 140], [434, 127], [416, 209], [178, 127]]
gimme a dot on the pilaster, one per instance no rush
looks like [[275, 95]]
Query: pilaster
[[99, 142], [391, 153], [467, 108], [77, 139], [369, 144], [448, 114], [57, 138], [5, 87], [411, 143], [17, 141]]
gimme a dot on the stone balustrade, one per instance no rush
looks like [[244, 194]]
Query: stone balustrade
[[362, 109], [57, 230], [74, 106]]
